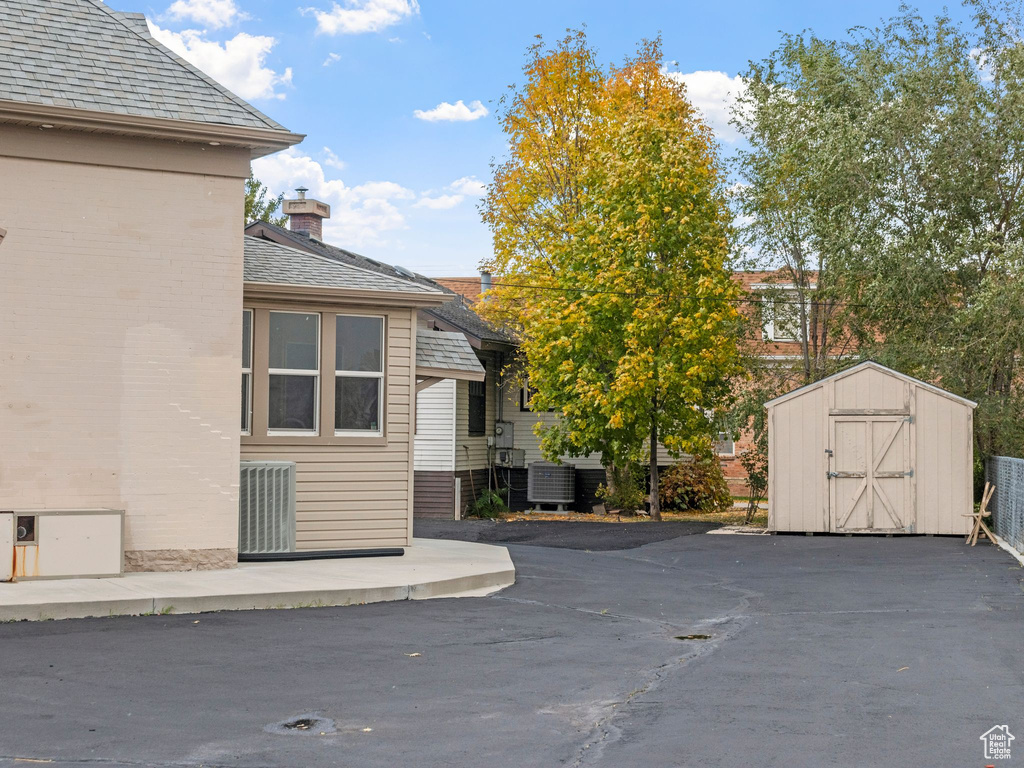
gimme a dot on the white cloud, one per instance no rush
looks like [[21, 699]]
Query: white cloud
[[439, 203], [331, 160], [713, 93], [331, 58], [455, 113], [470, 186], [238, 64], [360, 215], [359, 16], [212, 14]]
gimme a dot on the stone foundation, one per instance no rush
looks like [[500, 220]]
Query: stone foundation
[[179, 559]]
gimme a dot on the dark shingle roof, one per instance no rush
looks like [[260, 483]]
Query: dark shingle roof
[[454, 312], [271, 263], [82, 54], [446, 352]]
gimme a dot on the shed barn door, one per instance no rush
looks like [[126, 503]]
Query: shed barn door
[[870, 481]]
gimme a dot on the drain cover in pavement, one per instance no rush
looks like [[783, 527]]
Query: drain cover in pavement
[[693, 637], [309, 723]]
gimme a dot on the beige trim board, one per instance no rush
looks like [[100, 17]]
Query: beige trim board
[[122, 152], [305, 295], [449, 373], [261, 141]]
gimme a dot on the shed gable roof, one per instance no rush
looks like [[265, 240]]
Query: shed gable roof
[[869, 364], [83, 55]]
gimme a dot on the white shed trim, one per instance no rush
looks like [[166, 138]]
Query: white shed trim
[[878, 367]]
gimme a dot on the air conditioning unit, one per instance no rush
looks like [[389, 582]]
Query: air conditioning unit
[[61, 543], [266, 506], [548, 483], [514, 458], [504, 434]]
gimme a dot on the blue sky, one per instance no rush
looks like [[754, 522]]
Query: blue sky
[[376, 86]]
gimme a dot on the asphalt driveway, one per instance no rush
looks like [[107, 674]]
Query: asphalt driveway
[[821, 651]]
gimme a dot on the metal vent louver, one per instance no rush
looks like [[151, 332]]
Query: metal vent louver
[[266, 504], [548, 483]]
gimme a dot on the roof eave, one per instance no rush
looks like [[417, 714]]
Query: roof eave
[[459, 374], [260, 141], [327, 295]]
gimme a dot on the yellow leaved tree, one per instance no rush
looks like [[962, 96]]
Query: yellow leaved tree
[[611, 236]]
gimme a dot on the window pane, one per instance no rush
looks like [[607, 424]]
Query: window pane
[[246, 339], [293, 341], [245, 402], [357, 403], [477, 404], [359, 344], [292, 402]]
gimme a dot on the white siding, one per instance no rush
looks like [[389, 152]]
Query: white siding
[[527, 439], [435, 428]]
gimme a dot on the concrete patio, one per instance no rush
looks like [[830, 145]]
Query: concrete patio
[[429, 569]]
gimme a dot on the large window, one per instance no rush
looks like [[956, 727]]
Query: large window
[[477, 407], [294, 368], [246, 371], [359, 375]]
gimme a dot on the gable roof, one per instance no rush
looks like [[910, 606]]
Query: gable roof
[[442, 353], [269, 263], [878, 367], [454, 313], [82, 55]]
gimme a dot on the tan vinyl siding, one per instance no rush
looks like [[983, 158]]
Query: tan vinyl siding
[[355, 493], [471, 451]]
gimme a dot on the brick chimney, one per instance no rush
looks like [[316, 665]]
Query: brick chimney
[[306, 217]]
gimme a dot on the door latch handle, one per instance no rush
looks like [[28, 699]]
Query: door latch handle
[[830, 475]]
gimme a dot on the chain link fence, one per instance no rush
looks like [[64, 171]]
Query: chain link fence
[[1007, 505]]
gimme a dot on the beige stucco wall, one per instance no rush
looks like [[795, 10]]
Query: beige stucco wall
[[120, 323]]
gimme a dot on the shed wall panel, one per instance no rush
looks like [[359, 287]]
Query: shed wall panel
[[945, 475], [799, 502]]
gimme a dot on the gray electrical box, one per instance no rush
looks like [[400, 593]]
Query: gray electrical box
[[504, 434]]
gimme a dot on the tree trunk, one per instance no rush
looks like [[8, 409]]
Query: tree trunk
[[655, 501]]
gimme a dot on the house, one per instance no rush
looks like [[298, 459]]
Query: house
[[123, 172], [332, 360], [455, 417]]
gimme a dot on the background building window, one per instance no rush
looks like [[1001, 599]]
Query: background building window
[[359, 374], [477, 403], [294, 368], [246, 371]]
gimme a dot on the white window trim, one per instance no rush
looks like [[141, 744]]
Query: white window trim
[[248, 432], [299, 372], [769, 326], [727, 439], [379, 432]]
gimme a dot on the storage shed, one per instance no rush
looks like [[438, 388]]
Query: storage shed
[[870, 450]]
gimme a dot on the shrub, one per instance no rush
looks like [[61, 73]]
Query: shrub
[[625, 489], [697, 484], [489, 504]]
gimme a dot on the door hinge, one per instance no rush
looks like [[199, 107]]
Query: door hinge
[[909, 419], [830, 475], [909, 473]]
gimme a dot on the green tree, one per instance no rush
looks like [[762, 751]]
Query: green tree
[[628, 326], [888, 166], [258, 207]]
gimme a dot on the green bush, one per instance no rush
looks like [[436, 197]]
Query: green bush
[[625, 490], [489, 504], [697, 484]]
